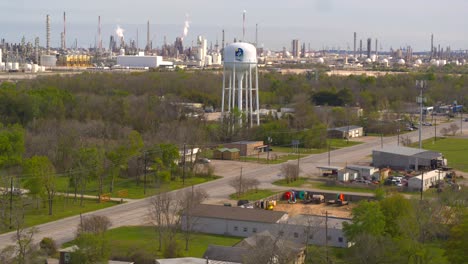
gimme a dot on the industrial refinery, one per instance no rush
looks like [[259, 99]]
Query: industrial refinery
[[122, 53]]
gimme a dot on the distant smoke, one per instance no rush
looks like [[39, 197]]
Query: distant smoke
[[186, 27], [119, 32]]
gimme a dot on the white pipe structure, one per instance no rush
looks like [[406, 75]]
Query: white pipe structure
[[240, 59]]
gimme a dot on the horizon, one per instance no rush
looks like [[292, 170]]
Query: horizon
[[322, 23]]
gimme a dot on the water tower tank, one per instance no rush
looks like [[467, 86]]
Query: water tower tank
[[241, 54]]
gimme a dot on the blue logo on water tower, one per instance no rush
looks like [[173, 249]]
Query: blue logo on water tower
[[239, 54]]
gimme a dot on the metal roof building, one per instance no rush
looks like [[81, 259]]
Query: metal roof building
[[397, 157]]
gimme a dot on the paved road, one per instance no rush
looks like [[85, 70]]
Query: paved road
[[135, 212]]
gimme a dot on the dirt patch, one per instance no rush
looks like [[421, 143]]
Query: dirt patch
[[315, 209]]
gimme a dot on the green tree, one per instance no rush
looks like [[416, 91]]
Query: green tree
[[368, 218], [92, 249], [395, 208], [119, 156], [457, 244], [88, 166], [41, 178], [11, 145]]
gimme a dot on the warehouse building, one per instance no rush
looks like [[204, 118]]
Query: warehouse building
[[405, 158]]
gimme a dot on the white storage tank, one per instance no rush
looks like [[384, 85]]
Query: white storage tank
[[15, 66], [401, 62], [35, 68], [28, 67], [208, 60], [2, 66], [321, 60], [9, 66]]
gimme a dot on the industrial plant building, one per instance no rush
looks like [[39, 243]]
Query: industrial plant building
[[142, 61], [397, 157]]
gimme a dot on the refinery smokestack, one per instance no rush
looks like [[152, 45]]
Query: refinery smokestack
[[48, 34], [243, 26], [355, 36], [64, 31], [256, 35], [148, 36], [360, 48], [432, 45], [99, 35], [369, 48], [376, 51]]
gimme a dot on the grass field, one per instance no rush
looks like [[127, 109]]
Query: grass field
[[288, 153], [455, 150], [134, 190], [36, 213], [125, 241], [301, 181], [323, 186], [252, 195]]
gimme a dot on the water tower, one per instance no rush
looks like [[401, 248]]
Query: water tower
[[239, 91]]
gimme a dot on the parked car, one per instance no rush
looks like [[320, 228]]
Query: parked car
[[204, 160], [426, 124]]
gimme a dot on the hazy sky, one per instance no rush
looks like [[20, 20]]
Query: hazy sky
[[322, 23]]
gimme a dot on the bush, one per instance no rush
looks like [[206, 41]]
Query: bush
[[48, 245], [172, 249]]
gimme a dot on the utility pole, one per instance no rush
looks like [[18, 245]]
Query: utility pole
[[326, 234], [328, 153], [398, 138], [435, 129], [422, 184], [298, 159], [421, 84], [240, 182], [183, 175], [11, 199], [144, 183]]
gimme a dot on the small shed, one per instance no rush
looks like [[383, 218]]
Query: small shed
[[345, 132], [363, 171], [66, 254], [346, 175], [226, 154], [246, 148]]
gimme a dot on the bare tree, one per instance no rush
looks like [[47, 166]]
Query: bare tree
[[25, 250], [187, 202], [453, 129], [94, 224], [163, 213], [242, 184], [290, 172], [406, 141]]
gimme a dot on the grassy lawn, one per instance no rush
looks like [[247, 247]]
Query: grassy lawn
[[297, 183], [455, 150], [334, 143], [124, 241], [252, 195], [135, 191], [323, 186], [36, 213]]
